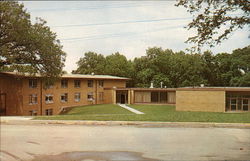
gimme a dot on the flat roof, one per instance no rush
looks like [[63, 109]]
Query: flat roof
[[78, 76], [143, 89], [214, 89]]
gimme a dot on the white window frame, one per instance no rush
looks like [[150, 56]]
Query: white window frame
[[91, 98], [64, 83], [49, 96], [33, 83], [78, 83], [77, 97], [92, 83], [33, 112], [64, 95], [33, 99], [49, 112], [101, 83]]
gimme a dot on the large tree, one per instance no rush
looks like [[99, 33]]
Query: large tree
[[28, 47], [215, 20], [91, 63]]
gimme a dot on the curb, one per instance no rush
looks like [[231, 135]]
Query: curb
[[127, 123]]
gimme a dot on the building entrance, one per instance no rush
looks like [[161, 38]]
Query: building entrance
[[122, 97]]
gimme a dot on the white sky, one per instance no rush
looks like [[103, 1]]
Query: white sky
[[129, 27]]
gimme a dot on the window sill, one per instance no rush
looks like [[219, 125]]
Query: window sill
[[49, 102], [33, 103]]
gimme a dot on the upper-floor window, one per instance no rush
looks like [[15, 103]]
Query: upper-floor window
[[32, 99], [90, 83], [49, 85], [48, 98], [101, 83], [64, 83], [49, 111], [77, 83], [64, 97], [32, 83], [77, 97]]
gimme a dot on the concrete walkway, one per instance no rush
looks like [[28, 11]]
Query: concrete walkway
[[131, 109]]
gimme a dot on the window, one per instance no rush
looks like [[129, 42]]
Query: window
[[77, 83], [32, 99], [154, 97], [32, 83], [33, 113], [233, 103], [49, 85], [77, 97], [90, 83], [49, 111], [245, 104], [101, 83], [100, 96], [64, 83], [64, 97], [48, 98], [90, 96], [163, 97]]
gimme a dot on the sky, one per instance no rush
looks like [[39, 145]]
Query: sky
[[127, 27]]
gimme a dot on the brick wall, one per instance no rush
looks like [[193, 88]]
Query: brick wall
[[18, 93], [209, 101]]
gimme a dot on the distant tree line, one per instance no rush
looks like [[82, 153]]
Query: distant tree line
[[173, 69]]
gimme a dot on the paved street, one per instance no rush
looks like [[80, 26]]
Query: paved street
[[78, 143]]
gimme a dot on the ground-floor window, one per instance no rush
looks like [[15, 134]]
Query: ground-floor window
[[101, 96], [90, 96], [77, 97], [49, 111], [245, 104], [238, 101], [32, 99], [33, 112], [154, 97]]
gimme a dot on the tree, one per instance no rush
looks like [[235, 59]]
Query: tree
[[215, 20], [28, 47], [91, 63], [118, 65]]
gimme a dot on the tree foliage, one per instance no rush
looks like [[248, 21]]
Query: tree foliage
[[215, 20], [174, 69], [91, 63], [28, 47]]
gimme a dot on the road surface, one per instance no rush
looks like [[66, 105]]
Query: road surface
[[90, 143]]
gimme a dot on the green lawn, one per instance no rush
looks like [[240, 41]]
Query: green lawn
[[152, 113]]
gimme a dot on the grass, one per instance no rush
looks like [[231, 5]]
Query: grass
[[152, 113]]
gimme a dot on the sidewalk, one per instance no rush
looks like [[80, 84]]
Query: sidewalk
[[29, 121]]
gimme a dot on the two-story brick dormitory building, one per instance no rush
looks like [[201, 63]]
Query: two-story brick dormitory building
[[26, 95]]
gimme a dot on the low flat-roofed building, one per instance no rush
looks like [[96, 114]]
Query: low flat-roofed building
[[143, 95], [213, 99]]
